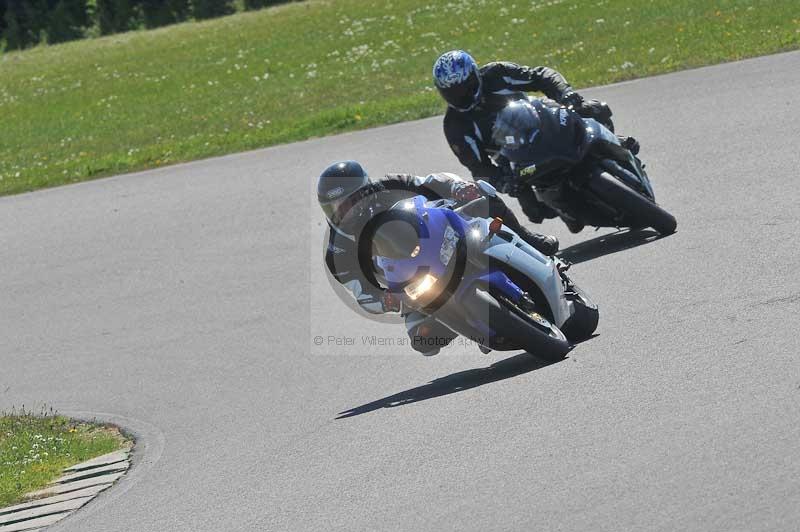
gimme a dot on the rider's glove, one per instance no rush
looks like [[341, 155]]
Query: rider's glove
[[465, 192], [598, 110], [573, 100], [390, 302]]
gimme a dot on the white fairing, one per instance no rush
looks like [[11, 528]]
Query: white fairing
[[537, 267]]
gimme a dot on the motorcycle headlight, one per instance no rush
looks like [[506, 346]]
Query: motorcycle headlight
[[418, 288]]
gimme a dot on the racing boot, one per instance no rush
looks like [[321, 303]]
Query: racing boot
[[535, 210], [573, 225], [428, 336], [545, 244], [538, 212], [630, 144]]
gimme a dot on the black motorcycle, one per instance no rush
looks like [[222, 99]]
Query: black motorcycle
[[577, 167]]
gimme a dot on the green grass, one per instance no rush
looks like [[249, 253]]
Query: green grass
[[34, 449], [143, 99]]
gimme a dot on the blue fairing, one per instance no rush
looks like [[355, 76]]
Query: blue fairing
[[492, 278], [433, 223], [496, 279]]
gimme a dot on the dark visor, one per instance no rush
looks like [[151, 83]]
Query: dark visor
[[462, 95]]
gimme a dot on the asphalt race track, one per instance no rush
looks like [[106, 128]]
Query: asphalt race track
[[183, 303]]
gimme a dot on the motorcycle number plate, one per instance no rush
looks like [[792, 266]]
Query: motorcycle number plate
[[448, 245]]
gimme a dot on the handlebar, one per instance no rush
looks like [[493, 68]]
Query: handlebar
[[474, 204]]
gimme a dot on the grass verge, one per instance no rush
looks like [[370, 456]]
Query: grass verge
[[144, 99], [35, 449]]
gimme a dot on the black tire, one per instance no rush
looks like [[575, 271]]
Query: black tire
[[639, 209], [534, 334]]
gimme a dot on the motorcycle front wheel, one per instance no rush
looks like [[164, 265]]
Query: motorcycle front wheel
[[525, 329], [639, 210]]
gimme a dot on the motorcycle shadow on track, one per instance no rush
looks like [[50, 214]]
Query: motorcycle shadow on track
[[608, 244], [519, 364], [455, 382]]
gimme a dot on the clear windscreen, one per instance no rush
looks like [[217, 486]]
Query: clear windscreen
[[395, 239]]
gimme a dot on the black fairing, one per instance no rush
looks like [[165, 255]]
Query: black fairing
[[559, 154], [560, 143]]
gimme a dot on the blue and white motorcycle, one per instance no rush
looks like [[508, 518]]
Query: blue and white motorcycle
[[480, 279]]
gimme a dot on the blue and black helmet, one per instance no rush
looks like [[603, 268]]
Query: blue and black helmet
[[458, 79]]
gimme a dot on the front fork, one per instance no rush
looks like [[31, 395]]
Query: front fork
[[493, 281], [638, 182]]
